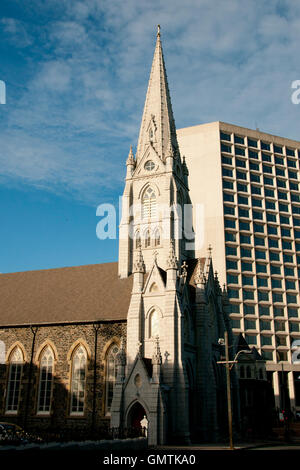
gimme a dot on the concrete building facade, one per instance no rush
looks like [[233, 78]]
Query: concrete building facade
[[252, 220]]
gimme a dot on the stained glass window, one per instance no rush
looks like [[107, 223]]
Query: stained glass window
[[78, 381], [46, 381], [14, 381], [111, 373], [149, 204], [154, 324]]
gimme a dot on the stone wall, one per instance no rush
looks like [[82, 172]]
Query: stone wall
[[63, 340]]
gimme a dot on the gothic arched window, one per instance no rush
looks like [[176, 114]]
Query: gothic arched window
[[79, 363], [46, 381], [137, 239], [153, 324], [149, 204], [14, 380], [157, 237], [111, 374], [147, 239]]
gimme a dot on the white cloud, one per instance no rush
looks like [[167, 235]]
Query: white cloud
[[54, 76], [16, 32], [68, 35], [231, 61]]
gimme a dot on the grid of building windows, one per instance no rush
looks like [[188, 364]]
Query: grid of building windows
[[261, 202]]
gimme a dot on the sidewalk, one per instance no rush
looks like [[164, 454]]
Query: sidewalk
[[238, 446], [197, 447]]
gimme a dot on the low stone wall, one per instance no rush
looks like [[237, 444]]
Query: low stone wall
[[116, 445]]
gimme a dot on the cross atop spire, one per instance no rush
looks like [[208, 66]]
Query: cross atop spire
[[158, 127]]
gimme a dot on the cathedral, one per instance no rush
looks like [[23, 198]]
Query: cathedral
[[117, 343]]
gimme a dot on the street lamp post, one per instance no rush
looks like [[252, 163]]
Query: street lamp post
[[229, 365], [228, 391]]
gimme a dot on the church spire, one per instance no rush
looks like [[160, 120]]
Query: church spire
[[130, 159], [156, 178], [158, 127]]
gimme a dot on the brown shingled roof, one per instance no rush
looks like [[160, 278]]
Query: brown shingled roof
[[63, 295]]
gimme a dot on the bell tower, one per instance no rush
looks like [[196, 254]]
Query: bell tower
[[156, 189]]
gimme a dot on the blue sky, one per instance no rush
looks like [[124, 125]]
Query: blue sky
[[76, 74]]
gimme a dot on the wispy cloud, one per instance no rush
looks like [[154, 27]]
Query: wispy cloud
[[87, 66], [15, 31]]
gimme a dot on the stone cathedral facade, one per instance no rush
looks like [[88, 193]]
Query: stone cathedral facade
[[110, 344], [177, 311]]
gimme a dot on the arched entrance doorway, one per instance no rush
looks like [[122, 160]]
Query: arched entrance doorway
[[135, 416]]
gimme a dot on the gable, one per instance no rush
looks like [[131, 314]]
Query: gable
[[149, 155], [141, 369], [156, 281]]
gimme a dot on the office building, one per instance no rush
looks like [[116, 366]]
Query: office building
[[244, 185]]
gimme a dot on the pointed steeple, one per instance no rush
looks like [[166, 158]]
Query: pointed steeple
[[130, 163], [185, 168], [130, 159], [156, 361], [172, 261], [224, 293], [156, 357], [158, 127], [138, 265], [199, 276]]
